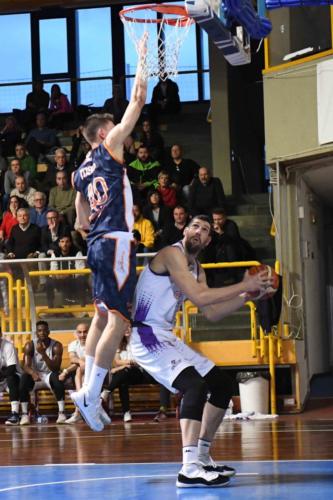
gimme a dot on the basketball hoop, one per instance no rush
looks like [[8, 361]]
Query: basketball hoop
[[162, 50]]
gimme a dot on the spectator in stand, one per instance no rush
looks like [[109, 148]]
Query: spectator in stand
[[37, 101], [116, 105], [76, 351], [39, 211], [153, 141], [168, 193], [60, 165], [60, 107], [72, 287], [9, 136], [157, 213], [165, 99], [226, 246], [41, 139], [206, 192], [42, 361], [50, 235], [25, 238], [9, 219], [174, 231], [80, 149], [143, 172], [11, 175], [22, 190], [62, 198], [181, 170], [145, 228], [27, 162], [10, 372]]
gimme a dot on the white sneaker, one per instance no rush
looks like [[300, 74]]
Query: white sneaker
[[104, 417], [194, 476], [127, 416], [25, 420], [88, 409], [211, 466], [76, 417], [61, 418]]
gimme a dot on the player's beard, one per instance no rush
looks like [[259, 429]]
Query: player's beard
[[193, 248]]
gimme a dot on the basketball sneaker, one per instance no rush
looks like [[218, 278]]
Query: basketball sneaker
[[224, 470], [14, 419], [61, 418], [127, 416], [74, 419], [90, 410], [25, 419], [194, 476]]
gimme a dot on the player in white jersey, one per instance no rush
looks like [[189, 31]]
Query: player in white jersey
[[10, 372], [173, 275]]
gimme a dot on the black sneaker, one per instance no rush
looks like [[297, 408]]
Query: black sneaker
[[224, 470], [14, 419], [200, 479]]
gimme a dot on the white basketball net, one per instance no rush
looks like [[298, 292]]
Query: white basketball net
[[162, 46]]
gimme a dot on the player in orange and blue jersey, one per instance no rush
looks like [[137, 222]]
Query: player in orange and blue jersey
[[104, 207]]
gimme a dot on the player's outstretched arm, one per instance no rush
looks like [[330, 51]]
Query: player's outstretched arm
[[173, 261], [116, 137], [219, 311]]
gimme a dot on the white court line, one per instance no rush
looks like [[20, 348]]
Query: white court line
[[94, 479], [75, 481]]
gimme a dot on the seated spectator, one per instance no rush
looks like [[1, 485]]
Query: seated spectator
[[145, 228], [9, 219], [50, 235], [22, 190], [12, 173], [181, 170], [10, 372], [157, 213], [80, 149], [37, 101], [9, 136], [27, 162], [226, 246], [72, 286], [165, 98], [168, 193], [3, 165], [60, 107], [42, 362], [39, 210], [126, 372], [174, 231], [62, 198], [152, 140], [76, 351], [206, 192], [41, 139], [25, 238], [143, 172], [116, 105], [60, 165]]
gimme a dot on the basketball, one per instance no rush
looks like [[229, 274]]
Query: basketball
[[270, 291]]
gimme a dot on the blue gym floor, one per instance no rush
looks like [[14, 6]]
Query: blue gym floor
[[278, 480]]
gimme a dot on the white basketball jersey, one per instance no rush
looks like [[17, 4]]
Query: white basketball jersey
[[157, 298], [38, 362]]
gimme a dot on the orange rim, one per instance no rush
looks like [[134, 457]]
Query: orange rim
[[182, 18]]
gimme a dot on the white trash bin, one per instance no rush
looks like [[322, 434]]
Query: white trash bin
[[254, 392]]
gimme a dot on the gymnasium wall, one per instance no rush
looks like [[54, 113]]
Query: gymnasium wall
[[290, 111]]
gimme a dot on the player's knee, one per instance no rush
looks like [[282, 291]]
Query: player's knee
[[194, 389], [220, 387]]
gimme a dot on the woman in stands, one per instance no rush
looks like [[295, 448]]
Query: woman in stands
[[157, 213], [60, 107]]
